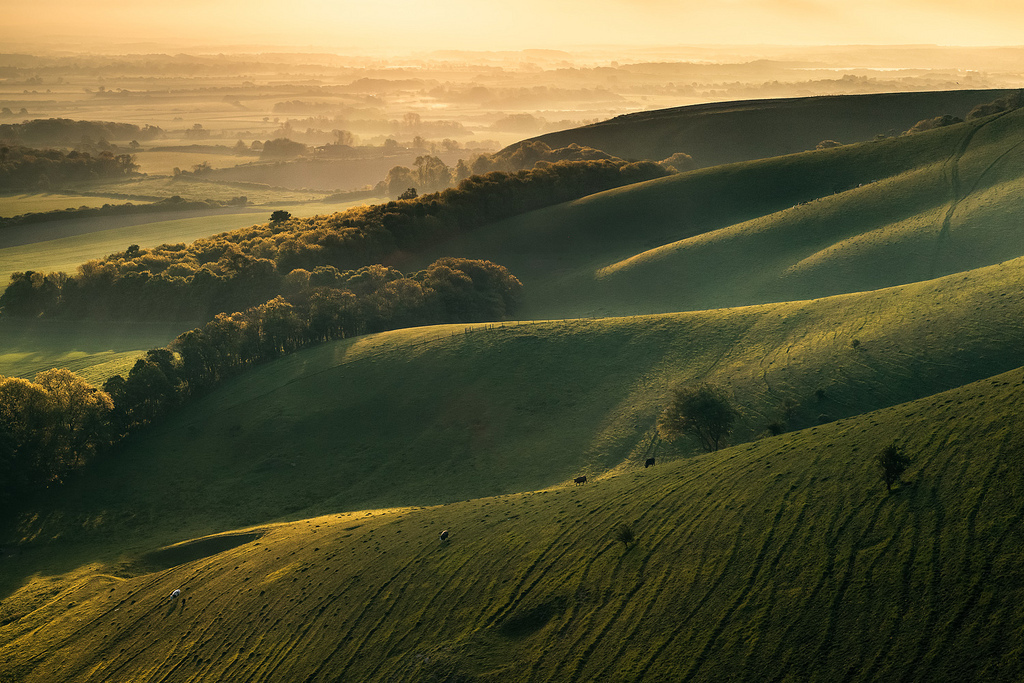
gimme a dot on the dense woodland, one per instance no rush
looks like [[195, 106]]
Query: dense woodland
[[51, 427], [239, 269], [68, 133], [25, 168]]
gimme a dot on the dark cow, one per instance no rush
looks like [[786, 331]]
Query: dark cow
[[580, 480], [444, 535], [650, 461]]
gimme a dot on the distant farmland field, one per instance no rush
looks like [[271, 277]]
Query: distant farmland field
[[66, 253], [16, 205], [57, 252]]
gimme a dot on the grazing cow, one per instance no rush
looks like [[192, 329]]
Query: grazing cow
[[444, 535], [580, 480], [175, 594], [650, 461]]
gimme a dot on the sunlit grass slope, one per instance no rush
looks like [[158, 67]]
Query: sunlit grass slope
[[94, 350], [852, 218], [724, 132], [436, 415], [782, 559]]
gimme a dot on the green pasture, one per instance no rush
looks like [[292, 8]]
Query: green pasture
[[855, 297], [781, 559], [440, 414], [197, 189], [95, 350], [164, 163], [67, 253], [16, 205]]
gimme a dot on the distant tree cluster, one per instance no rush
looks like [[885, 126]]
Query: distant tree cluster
[[1003, 104], [431, 174], [24, 168], [48, 428], [527, 154], [283, 148], [174, 203], [1007, 103], [933, 123], [68, 133], [235, 270]]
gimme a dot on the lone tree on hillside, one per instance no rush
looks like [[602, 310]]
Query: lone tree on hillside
[[279, 216], [702, 411], [893, 462], [625, 535]]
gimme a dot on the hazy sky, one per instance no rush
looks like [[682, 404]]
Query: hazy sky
[[398, 25]]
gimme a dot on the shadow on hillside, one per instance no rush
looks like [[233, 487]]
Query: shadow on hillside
[[180, 553], [19, 563]]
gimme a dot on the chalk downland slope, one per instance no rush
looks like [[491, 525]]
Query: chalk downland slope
[[440, 414], [782, 559], [726, 132], [852, 218]]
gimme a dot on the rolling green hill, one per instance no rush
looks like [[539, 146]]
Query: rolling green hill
[[726, 132], [783, 559], [858, 296], [847, 219], [440, 414]]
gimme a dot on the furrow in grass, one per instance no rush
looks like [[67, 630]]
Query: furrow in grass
[[741, 596]]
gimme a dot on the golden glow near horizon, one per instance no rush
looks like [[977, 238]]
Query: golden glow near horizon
[[403, 25]]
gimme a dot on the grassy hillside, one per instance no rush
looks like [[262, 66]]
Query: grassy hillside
[[725, 132], [858, 296], [440, 414], [853, 218], [93, 349], [783, 559]]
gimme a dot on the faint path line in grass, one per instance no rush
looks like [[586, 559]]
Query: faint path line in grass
[[722, 574], [521, 589], [796, 529], [824, 645], [881, 657], [652, 533], [369, 605], [974, 596], [988, 168], [928, 646], [955, 190], [833, 533], [695, 521], [737, 602], [452, 589]]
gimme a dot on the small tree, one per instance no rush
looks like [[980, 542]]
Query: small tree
[[702, 411], [279, 216], [624, 534], [893, 462]]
